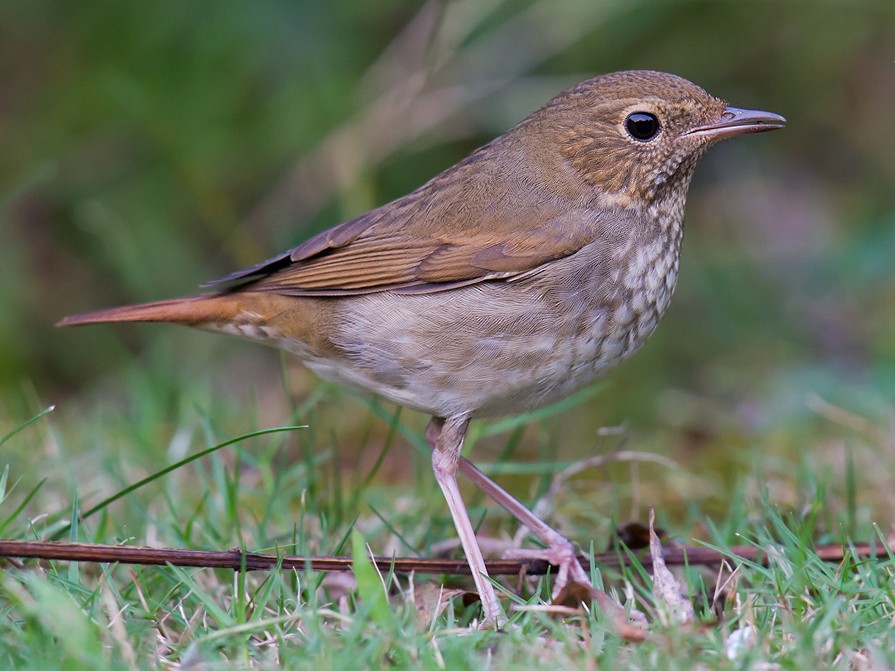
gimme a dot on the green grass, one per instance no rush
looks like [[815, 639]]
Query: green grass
[[293, 491]]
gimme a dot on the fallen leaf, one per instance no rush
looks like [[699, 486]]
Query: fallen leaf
[[431, 599], [672, 602]]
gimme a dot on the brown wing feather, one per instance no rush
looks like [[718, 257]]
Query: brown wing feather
[[473, 223], [398, 263]]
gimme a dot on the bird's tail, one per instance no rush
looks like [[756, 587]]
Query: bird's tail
[[203, 310]]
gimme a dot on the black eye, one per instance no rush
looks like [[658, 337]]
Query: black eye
[[642, 126]]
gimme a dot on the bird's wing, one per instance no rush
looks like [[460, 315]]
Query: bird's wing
[[388, 250]]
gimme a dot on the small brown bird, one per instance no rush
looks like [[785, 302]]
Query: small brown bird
[[507, 282]]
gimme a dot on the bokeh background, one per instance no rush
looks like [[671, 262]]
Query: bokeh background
[[147, 147]]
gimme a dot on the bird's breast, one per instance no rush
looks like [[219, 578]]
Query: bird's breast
[[639, 290]]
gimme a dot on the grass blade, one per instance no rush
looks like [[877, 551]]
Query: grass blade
[[173, 467]]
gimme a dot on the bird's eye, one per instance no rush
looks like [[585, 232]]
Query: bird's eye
[[642, 126]]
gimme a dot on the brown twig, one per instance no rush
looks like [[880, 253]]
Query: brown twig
[[237, 559]]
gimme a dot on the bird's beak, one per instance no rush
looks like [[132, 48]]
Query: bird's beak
[[736, 121]]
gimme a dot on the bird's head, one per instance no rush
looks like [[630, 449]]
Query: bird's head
[[636, 136]]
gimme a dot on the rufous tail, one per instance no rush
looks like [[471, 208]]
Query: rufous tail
[[191, 311]]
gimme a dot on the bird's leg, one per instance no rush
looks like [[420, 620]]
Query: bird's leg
[[446, 438], [559, 551]]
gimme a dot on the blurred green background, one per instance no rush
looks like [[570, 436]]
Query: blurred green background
[[147, 147]]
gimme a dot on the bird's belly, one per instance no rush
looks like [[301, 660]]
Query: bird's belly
[[525, 374], [481, 352]]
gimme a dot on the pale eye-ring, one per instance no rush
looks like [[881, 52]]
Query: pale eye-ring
[[642, 126]]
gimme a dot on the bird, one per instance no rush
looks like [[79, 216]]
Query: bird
[[508, 281]]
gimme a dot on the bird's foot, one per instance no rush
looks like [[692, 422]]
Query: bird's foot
[[563, 556], [572, 587]]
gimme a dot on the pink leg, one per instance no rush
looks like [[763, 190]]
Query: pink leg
[[559, 552], [446, 439]]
